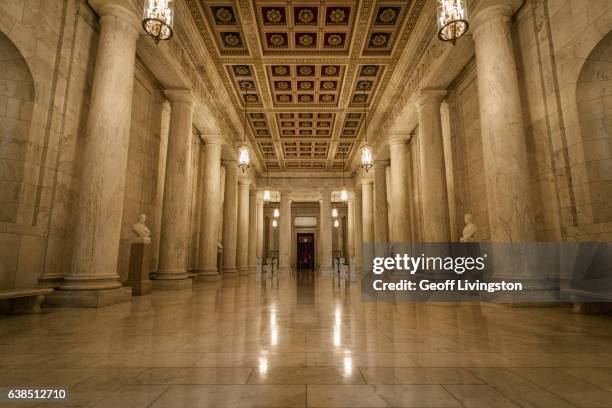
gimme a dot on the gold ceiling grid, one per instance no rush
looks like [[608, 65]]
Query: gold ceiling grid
[[305, 69]]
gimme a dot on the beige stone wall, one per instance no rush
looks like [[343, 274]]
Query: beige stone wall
[[468, 176]]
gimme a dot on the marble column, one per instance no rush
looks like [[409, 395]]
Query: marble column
[[230, 219], [381, 211], [284, 225], [358, 229], [242, 251], [209, 217], [105, 157], [174, 242], [367, 196], [260, 229], [400, 178], [350, 216], [253, 231], [436, 224], [325, 239], [502, 127]]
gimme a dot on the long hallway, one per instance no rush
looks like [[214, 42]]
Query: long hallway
[[305, 340]]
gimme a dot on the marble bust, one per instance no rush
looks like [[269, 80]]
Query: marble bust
[[470, 229], [141, 229]]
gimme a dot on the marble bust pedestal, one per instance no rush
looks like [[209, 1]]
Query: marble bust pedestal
[[138, 275]]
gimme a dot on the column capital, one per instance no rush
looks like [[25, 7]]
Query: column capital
[[230, 165], [429, 96], [184, 96], [118, 8], [244, 182], [366, 181], [212, 140], [493, 10], [380, 164], [399, 139]]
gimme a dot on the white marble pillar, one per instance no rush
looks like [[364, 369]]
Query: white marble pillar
[[381, 211], [230, 219], [209, 216], [350, 217], [400, 178], [104, 158], [284, 225], [367, 195], [242, 251], [174, 242], [358, 229], [260, 229], [253, 231], [502, 127], [325, 239], [436, 223]]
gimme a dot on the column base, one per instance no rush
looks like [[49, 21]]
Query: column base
[[50, 281], [230, 273], [141, 287], [244, 272], [172, 284], [326, 271], [88, 298], [208, 277]]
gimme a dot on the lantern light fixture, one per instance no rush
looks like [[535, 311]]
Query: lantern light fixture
[[336, 223], [335, 212], [344, 195], [266, 195], [158, 19], [452, 20], [276, 213], [367, 157], [274, 223], [244, 152]]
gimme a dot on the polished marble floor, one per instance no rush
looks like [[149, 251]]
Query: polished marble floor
[[304, 340]]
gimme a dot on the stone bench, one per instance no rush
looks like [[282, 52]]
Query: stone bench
[[22, 301]]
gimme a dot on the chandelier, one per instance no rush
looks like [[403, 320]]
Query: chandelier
[[158, 19], [367, 157], [335, 212], [452, 20], [274, 223], [244, 153], [336, 223], [276, 213]]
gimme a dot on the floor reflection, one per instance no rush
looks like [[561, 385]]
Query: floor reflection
[[302, 339]]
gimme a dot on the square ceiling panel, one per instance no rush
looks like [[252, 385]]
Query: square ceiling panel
[[224, 18], [305, 26], [305, 125], [305, 84]]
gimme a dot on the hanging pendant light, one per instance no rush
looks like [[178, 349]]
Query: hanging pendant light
[[343, 192], [274, 223], [276, 213], [335, 212], [158, 19], [266, 192], [452, 20], [344, 195], [367, 157], [244, 152], [336, 223]]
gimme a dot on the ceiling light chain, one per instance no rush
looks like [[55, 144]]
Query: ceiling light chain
[[367, 158], [244, 153]]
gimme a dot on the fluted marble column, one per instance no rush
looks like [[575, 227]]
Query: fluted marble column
[[367, 195], [252, 231], [230, 219], [209, 218], [174, 242], [105, 158], [350, 236], [242, 255], [325, 231], [436, 224], [400, 179], [501, 121], [260, 229], [381, 210], [284, 224], [358, 231]]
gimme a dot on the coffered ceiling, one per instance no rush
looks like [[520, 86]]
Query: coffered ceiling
[[306, 70]]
